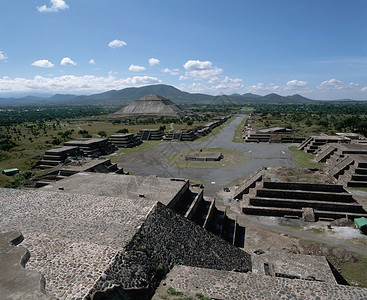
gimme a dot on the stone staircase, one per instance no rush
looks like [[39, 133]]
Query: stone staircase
[[287, 199], [217, 220]]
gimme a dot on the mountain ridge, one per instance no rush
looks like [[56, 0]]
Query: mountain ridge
[[127, 95]]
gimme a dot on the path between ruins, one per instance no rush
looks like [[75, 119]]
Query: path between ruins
[[151, 161]]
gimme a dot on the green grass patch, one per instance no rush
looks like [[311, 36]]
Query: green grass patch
[[215, 130], [145, 145], [173, 292], [246, 109], [354, 272], [237, 137], [303, 159], [231, 157], [316, 230]]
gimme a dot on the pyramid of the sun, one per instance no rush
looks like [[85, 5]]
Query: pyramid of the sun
[[152, 106]]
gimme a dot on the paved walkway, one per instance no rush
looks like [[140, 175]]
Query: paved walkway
[[151, 161]]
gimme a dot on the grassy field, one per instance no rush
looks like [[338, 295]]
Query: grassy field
[[145, 145], [32, 140], [354, 272], [237, 136], [231, 158], [303, 159]]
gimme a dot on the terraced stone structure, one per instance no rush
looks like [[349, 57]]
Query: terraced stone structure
[[195, 133], [150, 134], [313, 143], [264, 194], [345, 162], [95, 246], [92, 147], [152, 106], [271, 135], [124, 140], [57, 155]]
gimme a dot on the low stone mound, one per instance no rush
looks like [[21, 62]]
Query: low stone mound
[[152, 106], [164, 240]]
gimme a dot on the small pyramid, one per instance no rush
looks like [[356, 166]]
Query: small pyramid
[[152, 106]]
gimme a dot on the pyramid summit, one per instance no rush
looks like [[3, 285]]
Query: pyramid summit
[[152, 106]]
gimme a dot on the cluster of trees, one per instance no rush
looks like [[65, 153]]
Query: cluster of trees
[[322, 117], [6, 142], [13, 115]]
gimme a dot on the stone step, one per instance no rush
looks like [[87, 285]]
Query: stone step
[[361, 171], [194, 206], [49, 162], [299, 204], [228, 229], [300, 186], [359, 177], [248, 184], [209, 214], [357, 184], [304, 195], [216, 223], [275, 211]]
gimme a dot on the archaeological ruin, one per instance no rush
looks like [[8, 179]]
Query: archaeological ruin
[[152, 106]]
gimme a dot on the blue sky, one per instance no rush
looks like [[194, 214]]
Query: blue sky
[[314, 48]]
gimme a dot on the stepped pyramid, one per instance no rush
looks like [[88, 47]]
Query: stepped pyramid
[[152, 106]]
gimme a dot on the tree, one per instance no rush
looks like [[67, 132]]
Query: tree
[[102, 133], [123, 130]]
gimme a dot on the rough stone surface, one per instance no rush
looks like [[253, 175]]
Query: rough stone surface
[[72, 237], [231, 285], [164, 240], [15, 281], [306, 267], [151, 188]]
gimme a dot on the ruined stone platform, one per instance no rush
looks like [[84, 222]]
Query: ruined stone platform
[[234, 285], [72, 238], [93, 246], [151, 188]]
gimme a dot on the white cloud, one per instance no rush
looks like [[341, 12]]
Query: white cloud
[[117, 44], [295, 85], [332, 84], [135, 68], [197, 65], [3, 56], [364, 89], [87, 84], [216, 86], [66, 61], [173, 72], [56, 5], [153, 61], [200, 70], [335, 84], [43, 63], [92, 61]]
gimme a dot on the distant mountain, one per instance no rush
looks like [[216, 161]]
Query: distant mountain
[[299, 98], [251, 95], [126, 96], [61, 97]]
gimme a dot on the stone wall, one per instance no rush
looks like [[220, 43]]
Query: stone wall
[[164, 240]]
